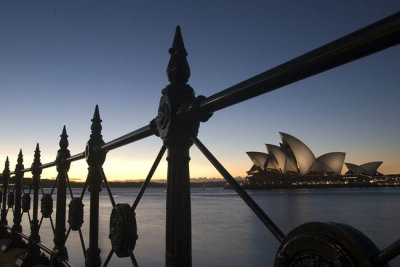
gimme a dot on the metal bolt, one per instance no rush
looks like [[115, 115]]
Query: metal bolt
[[341, 261], [283, 257]]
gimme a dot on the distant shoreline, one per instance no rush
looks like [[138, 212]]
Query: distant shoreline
[[48, 183], [315, 186]]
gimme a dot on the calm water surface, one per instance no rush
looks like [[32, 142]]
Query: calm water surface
[[225, 232]]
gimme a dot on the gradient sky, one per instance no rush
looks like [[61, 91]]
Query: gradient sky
[[58, 59]]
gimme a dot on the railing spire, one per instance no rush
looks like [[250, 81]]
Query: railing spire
[[3, 220], [59, 251], [7, 165], [16, 240], [64, 139], [176, 132], [178, 70], [33, 255], [36, 172], [96, 125], [95, 158]]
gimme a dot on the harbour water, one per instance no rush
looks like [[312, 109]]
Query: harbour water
[[225, 232]]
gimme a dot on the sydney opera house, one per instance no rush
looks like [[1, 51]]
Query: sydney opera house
[[292, 161]]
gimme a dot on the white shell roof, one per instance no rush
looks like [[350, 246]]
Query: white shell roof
[[258, 158], [279, 157], [294, 156], [369, 168], [270, 164], [303, 155], [332, 162], [290, 166]]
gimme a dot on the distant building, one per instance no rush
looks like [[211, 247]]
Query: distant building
[[370, 168], [292, 158]]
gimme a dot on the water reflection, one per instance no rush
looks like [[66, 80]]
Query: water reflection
[[225, 231]]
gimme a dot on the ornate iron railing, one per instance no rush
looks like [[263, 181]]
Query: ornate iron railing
[[177, 124]]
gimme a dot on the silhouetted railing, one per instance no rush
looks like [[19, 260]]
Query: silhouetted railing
[[177, 124]]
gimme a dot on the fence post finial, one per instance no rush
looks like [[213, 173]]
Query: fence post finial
[[95, 159], [3, 219], [59, 251], [36, 157], [20, 158], [64, 139], [34, 250], [33, 255], [16, 240], [178, 70], [176, 132], [7, 164], [96, 124]]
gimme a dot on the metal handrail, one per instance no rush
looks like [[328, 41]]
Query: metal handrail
[[368, 40], [373, 38], [39, 244], [131, 137]]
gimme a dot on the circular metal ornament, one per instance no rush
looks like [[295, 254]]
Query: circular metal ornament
[[326, 245], [46, 205], [75, 213], [123, 231], [164, 116], [26, 202], [10, 200]]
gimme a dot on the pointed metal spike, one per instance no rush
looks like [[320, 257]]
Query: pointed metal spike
[[64, 132], [7, 165], [96, 115], [37, 154], [64, 139], [178, 68], [96, 123], [20, 159], [178, 41]]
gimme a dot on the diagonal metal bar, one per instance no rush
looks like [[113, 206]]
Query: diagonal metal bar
[[54, 186], [30, 188], [241, 192], [41, 220], [368, 40], [52, 224], [84, 189], [133, 259], [388, 253], [69, 186], [68, 232], [103, 176], [41, 187], [149, 176], [108, 258], [82, 243]]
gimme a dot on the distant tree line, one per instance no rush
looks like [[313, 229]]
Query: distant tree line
[[48, 183]]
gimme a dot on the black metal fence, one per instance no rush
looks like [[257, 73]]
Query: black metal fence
[[177, 124]]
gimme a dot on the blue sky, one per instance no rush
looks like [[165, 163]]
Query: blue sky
[[61, 58]]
